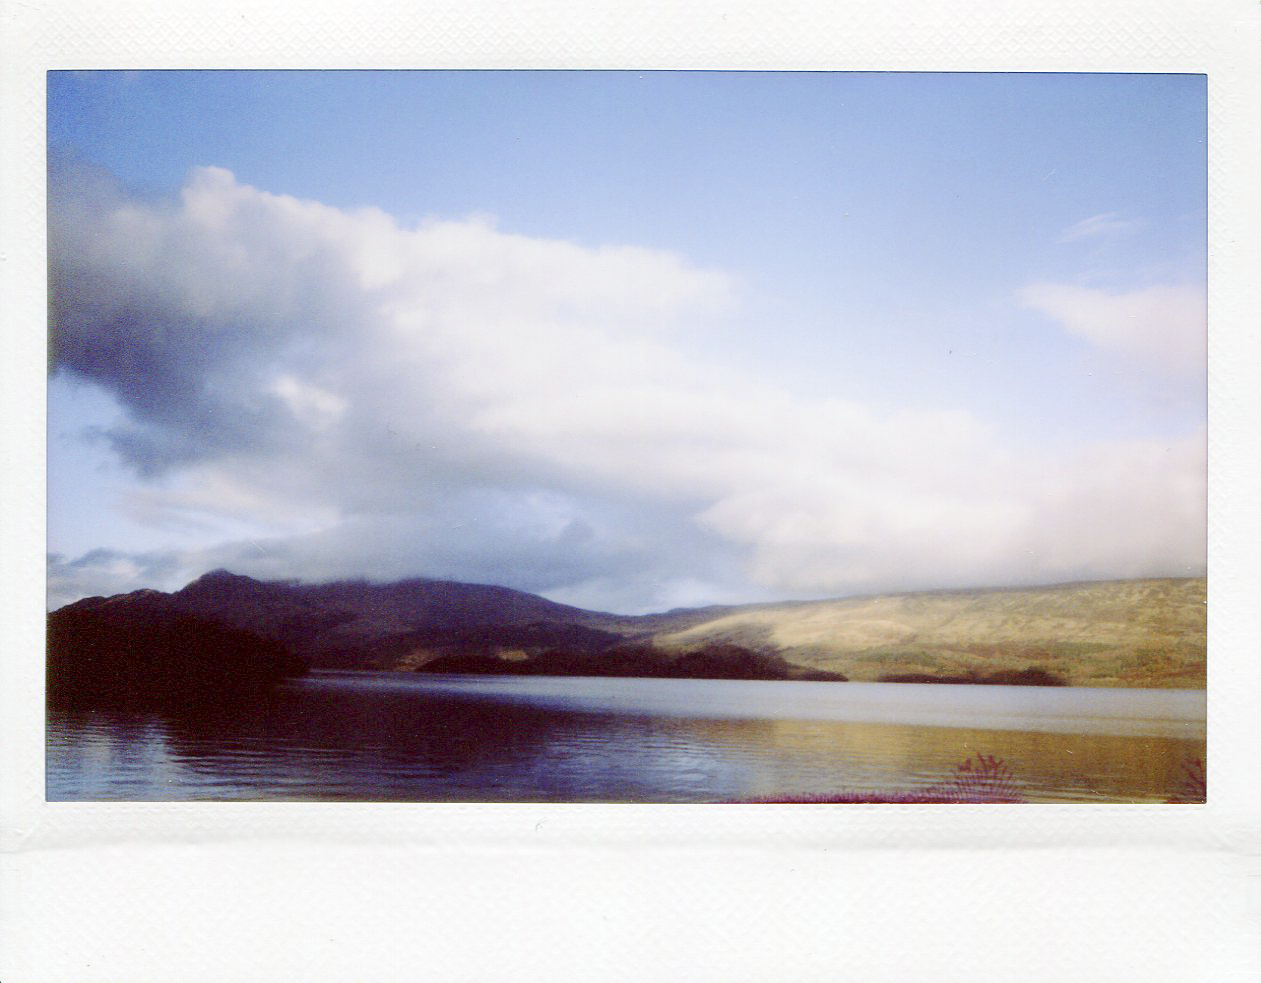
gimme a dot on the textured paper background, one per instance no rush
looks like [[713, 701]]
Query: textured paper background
[[280, 892]]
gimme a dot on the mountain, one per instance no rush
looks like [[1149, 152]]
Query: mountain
[[137, 651], [1116, 633], [361, 625], [443, 626], [401, 625]]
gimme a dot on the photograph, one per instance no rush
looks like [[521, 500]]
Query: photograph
[[744, 437]]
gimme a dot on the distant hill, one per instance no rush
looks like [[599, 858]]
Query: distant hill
[[1119, 633], [1140, 633]]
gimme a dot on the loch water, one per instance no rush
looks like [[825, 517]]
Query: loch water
[[407, 737]]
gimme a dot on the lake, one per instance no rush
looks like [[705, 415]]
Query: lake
[[406, 737]]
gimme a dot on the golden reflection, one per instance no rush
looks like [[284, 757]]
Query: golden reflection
[[1046, 767]]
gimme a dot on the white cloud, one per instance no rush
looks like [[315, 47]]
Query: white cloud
[[1127, 509], [1161, 327], [1104, 225], [108, 572], [318, 408], [453, 400]]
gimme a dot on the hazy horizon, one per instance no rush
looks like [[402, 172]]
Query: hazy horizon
[[630, 341]]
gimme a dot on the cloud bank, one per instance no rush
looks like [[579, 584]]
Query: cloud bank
[[448, 399], [1163, 328]]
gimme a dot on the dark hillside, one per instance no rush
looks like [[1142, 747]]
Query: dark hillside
[[136, 651], [363, 625]]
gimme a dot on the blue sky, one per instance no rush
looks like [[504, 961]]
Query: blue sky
[[669, 338]]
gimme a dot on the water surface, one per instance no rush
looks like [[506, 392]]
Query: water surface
[[410, 738]]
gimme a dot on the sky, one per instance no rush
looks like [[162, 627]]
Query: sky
[[632, 341]]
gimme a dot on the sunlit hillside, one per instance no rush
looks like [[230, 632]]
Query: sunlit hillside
[[1116, 633]]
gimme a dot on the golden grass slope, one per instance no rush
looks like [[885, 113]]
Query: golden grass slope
[[1140, 633]]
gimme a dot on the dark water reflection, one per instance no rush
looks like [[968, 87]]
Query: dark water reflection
[[403, 737]]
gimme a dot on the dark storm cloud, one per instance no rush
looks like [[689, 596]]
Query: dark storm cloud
[[156, 309]]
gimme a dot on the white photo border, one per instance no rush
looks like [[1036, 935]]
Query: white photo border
[[221, 892]]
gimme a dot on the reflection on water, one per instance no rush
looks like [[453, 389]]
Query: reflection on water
[[402, 737]]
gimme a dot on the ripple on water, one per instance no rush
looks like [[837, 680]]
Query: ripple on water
[[400, 737]]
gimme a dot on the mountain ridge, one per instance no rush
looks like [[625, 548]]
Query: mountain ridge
[[1148, 632]]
